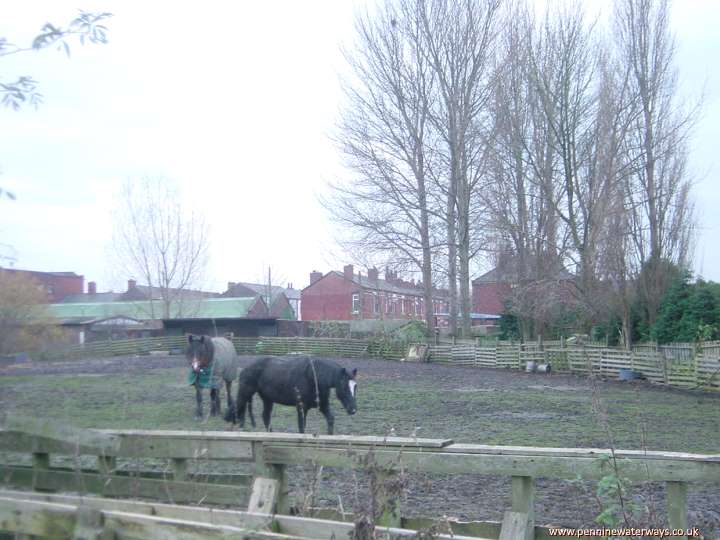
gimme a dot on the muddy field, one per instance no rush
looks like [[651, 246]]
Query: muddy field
[[466, 404]]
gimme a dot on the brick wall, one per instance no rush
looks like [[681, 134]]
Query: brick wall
[[489, 297], [328, 299], [57, 287]]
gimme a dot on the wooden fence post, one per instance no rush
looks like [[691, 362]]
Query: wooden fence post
[[519, 522], [270, 484], [179, 469], [677, 506], [40, 464]]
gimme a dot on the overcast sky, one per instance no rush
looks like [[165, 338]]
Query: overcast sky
[[236, 102]]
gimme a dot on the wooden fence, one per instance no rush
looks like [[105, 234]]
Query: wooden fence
[[338, 347], [265, 493], [671, 365]]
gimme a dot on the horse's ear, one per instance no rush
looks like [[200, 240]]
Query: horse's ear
[[354, 373], [202, 339], [190, 338]]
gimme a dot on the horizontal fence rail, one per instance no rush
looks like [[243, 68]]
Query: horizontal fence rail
[[337, 347], [270, 454]]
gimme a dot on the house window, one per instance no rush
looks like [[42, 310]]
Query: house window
[[402, 305], [376, 303], [356, 303]]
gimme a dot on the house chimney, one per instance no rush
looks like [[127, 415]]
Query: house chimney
[[231, 285], [92, 287], [348, 272], [315, 276], [373, 274], [131, 284]]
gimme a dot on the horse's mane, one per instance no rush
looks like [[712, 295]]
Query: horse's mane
[[328, 372], [210, 348]]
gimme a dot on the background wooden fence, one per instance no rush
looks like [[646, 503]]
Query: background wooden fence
[[337, 347], [682, 365], [679, 365], [265, 493]]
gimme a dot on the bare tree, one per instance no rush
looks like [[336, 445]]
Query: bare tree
[[387, 208], [157, 240], [459, 44], [656, 147], [521, 224], [583, 129]]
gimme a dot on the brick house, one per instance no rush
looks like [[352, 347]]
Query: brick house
[[343, 296], [491, 290], [57, 285]]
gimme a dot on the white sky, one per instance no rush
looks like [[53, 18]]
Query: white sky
[[236, 102]]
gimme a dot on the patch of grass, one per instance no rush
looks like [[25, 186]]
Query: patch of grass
[[515, 414]]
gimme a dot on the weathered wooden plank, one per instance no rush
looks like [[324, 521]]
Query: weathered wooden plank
[[47, 520], [636, 469], [96, 442], [54, 520], [677, 506], [179, 468], [290, 525], [515, 527], [183, 445], [264, 495], [126, 486], [263, 436], [523, 503], [579, 452], [266, 469], [232, 479]]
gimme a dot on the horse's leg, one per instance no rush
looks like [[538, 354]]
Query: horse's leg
[[240, 402], [250, 411], [214, 401], [198, 402], [230, 414], [327, 413], [302, 417], [267, 413], [228, 388]]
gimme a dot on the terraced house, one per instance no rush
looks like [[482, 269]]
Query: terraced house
[[342, 296]]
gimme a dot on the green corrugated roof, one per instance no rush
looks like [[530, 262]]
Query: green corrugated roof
[[207, 308]]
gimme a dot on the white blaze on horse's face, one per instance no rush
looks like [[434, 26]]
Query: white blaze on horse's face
[[195, 364], [352, 385]]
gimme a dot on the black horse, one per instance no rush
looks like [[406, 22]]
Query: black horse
[[298, 381]]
